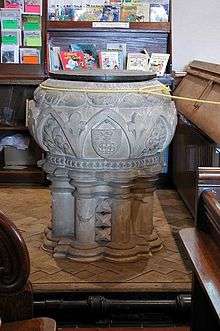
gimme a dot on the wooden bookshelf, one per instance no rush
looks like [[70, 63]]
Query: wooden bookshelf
[[137, 36], [19, 71], [25, 78], [13, 96]]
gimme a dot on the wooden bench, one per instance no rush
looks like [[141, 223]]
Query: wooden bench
[[202, 245], [16, 298]]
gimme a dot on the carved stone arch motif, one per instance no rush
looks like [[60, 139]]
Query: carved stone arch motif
[[159, 137], [54, 137]]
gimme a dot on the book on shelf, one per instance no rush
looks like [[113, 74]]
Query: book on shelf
[[88, 12], [53, 10], [80, 12], [14, 4], [110, 13], [138, 61], [93, 12], [32, 38], [135, 12], [128, 13], [72, 60], [10, 19], [60, 10], [143, 12], [54, 58], [33, 6], [90, 53], [29, 55], [14, 25], [31, 22], [11, 37], [158, 13], [122, 49], [109, 60], [9, 54], [158, 63], [116, 2]]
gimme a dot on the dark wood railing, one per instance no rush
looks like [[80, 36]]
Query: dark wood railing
[[202, 245]]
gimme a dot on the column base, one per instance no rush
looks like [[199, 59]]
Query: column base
[[123, 252], [68, 248], [155, 242], [129, 255]]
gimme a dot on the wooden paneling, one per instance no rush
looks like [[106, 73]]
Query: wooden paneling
[[136, 40], [201, 82], [13, 101], [197, 138], [191, 149], [204, 254]]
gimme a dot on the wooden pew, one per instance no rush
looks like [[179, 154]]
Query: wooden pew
[[197, 138], [16, 298], [202, 245]]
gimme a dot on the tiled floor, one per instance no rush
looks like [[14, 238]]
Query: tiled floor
[[29, 208]]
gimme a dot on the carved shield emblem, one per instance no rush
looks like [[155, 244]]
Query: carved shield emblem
[[106, 142]]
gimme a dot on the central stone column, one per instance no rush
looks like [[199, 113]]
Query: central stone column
[[103, 156]]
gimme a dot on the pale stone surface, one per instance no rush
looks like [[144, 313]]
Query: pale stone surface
[[103, 157]]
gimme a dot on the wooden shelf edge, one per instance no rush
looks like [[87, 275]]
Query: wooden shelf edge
[[13, 128], [27, 169], [28, 176], [70, 25], [15, 72]]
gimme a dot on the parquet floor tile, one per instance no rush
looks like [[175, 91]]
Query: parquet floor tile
[[29, 209]]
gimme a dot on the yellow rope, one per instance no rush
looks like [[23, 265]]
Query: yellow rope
[[151, 89], [113, 90], [187, 99]]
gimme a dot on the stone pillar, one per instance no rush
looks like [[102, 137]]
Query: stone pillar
[[142, 214], [62, 207], [84, 247], [123, 246], [63, 215]]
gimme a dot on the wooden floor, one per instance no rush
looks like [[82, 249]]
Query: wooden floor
[[29, 208]]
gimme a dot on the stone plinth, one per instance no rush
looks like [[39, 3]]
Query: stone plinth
[[103, 155]]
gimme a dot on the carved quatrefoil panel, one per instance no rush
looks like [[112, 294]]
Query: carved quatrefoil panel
[[103, 221]]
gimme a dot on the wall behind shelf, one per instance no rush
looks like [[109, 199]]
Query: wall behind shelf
[[195, 32]]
